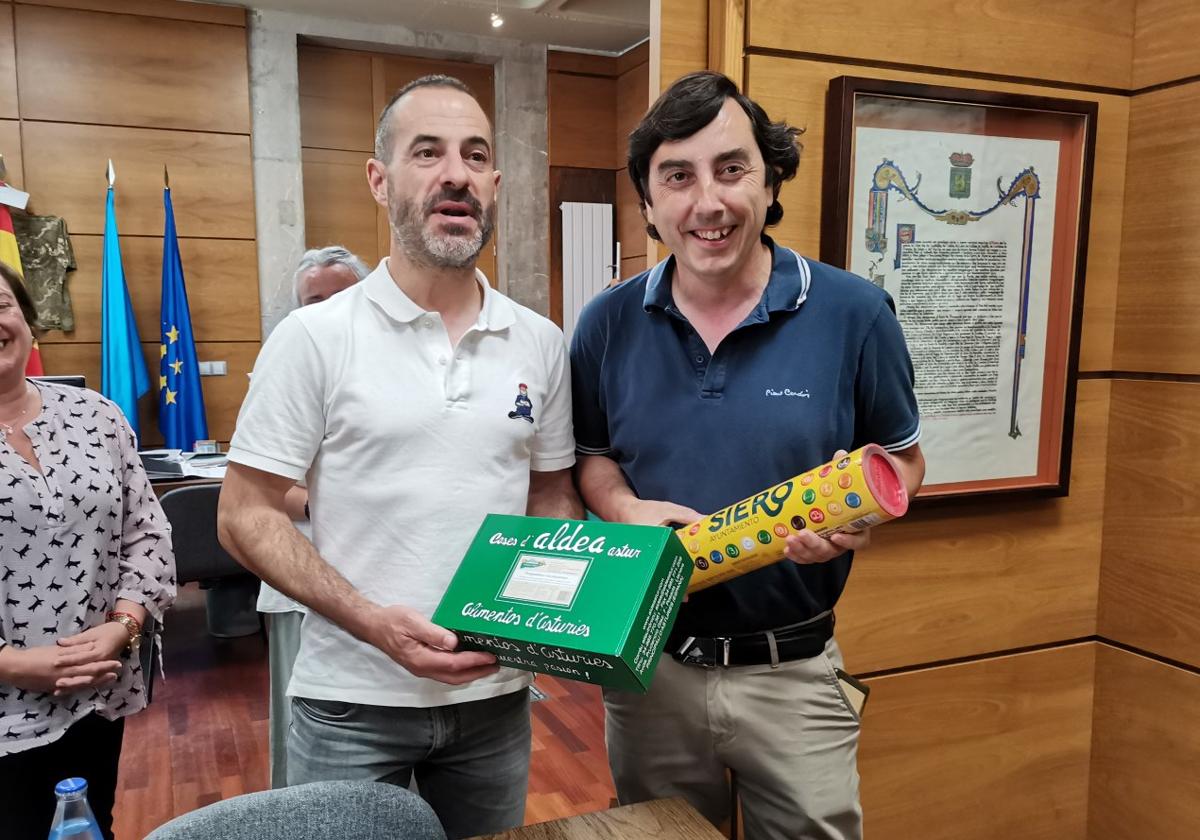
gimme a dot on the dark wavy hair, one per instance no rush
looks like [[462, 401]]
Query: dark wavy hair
[[690, 104], [17, 286]]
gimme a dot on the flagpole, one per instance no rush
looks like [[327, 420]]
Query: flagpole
[[181, 416], [123, 374]]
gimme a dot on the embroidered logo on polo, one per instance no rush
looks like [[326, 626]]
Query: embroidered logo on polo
[[524, 405]]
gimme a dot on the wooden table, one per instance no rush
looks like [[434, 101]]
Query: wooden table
[[662, 819]]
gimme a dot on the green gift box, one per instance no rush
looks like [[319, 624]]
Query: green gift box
[[590, 601]]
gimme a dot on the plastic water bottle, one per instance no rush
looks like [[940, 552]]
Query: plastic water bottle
[[73, 817]]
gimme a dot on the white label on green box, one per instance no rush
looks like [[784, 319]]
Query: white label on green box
[[589, 601], [544, 579]]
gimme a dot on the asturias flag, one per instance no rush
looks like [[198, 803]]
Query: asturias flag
[[180, 399], [123, 376]]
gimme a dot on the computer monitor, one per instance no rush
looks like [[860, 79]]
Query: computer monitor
[[78, 380]]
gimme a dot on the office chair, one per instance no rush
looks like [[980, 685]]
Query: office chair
[[230, 591], [317, 811]]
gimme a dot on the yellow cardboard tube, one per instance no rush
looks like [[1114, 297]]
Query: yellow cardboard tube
[[850, 494]]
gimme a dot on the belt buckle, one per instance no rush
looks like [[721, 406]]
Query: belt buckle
[[690, 653]]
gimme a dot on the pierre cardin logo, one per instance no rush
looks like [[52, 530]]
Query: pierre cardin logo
[[787, 392]]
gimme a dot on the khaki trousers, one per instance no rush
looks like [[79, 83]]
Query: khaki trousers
[[789, 734]]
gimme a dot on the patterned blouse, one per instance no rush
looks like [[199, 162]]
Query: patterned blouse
[[72, 541]]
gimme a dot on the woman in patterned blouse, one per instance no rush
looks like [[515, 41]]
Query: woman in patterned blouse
[[85, 558]]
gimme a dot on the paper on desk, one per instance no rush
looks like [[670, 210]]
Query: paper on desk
[[205, 470], [166, 454]]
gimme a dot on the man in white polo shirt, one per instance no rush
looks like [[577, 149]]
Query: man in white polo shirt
[[393, 398]]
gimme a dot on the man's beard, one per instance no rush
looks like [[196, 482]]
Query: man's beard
[[450, 247]]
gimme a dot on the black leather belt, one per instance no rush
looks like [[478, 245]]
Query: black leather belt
[[783, 644]]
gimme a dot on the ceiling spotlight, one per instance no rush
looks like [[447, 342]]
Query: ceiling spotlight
[[497, 21]]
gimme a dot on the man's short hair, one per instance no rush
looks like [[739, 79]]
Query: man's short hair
[[690, 104], [323, 258], [383, 128]]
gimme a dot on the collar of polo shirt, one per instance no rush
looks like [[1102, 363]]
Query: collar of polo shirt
[[786, 289], [496, 313]]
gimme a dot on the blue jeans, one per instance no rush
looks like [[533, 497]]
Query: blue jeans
[[470, 760]]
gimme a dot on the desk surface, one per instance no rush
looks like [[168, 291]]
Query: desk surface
[[162, 484], [663, 819]]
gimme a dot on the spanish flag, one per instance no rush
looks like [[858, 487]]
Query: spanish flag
[[34, 366], [8, 240], [10, 254]]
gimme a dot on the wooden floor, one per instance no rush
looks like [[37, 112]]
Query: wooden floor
[[204, 736]]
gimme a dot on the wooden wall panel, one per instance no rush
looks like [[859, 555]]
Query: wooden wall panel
[[631, 58], [338, 207], [631, 227], [223, 395], [795, 90], [182, 74], [1145, 750], [147, 83], [727, 39], [399, 70], [1082, 41], [632, 266], [221, 277], [211, 183], [173, 9], [964, 579], [1150, 583], [682, 43], [1164, 41], [1158, 306], [8, 65], [10, 147], [582, 113], [337, 110], [980, 751], [584, 64], [633, 100]]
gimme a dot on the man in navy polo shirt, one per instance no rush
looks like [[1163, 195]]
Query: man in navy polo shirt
[[731, 366]]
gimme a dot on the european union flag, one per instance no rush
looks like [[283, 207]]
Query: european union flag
[[180, 400], [123, 376]]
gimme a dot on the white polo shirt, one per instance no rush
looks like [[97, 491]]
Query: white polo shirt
[[406, 444]]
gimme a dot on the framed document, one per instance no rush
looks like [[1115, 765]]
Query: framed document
[[970, 209]]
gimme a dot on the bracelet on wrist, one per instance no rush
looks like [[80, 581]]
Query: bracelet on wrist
[[132, 626]]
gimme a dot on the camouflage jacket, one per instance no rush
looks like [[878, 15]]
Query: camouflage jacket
[[46, 257]]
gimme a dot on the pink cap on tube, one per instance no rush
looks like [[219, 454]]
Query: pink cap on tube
[[884, 480]]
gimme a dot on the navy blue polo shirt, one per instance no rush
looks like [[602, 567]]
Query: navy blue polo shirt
[[819, 365]]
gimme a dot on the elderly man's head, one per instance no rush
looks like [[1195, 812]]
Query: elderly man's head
[[323, 272]]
